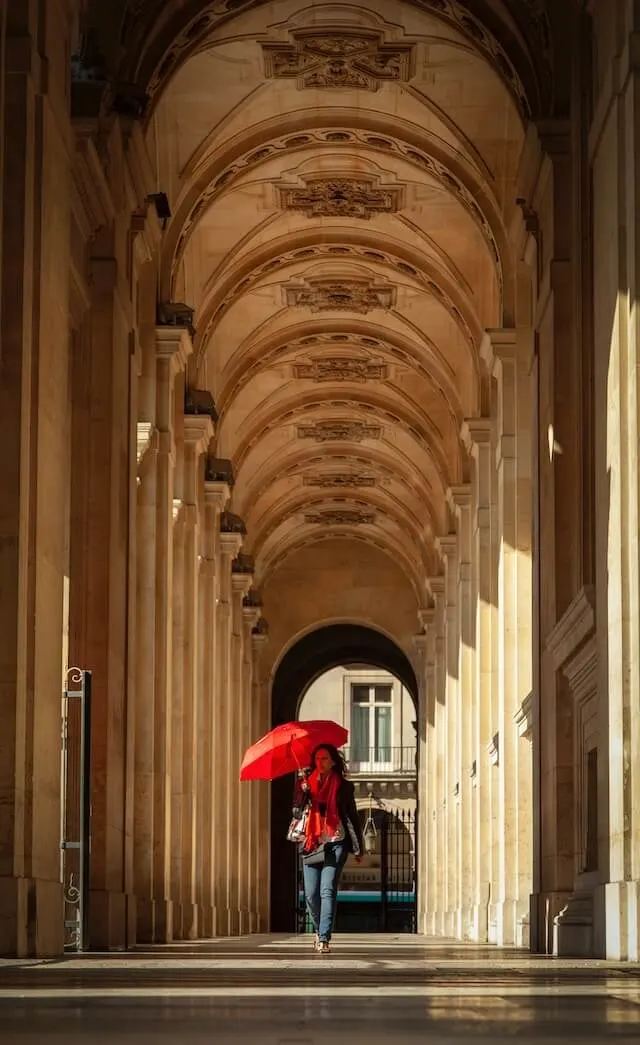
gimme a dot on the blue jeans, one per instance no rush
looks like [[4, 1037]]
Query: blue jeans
[[321, 888]]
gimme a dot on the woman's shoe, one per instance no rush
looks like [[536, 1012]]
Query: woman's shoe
[[324, 947]]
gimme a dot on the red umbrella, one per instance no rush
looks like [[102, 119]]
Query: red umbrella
[[288, 748]]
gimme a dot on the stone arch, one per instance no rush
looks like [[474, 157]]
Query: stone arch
[[306, 660]]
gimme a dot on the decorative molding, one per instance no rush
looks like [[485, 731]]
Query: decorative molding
[[335, 431], [574, 627], [341, 368], [341, 197], [340, 480], [493, 749], [581, 671], [341, 517], [342, 295], [523, 717], [338, 58]]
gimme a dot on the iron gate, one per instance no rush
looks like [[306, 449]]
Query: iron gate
[[380, 894], [75, 819]]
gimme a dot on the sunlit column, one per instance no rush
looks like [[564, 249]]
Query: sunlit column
[[448, 547], [430, 795], [237, 733], [422, 850], [437, 589], [215, 496], [173, 347], [249, 793], [198, 431], [477, 435], [227, 918], [460, 500]]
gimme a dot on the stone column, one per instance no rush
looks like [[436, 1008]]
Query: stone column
[[477, 436], [177, 719], [238, 733], [215, 497], [173, 347], [437, 589], [261, 725], [448, 548], [248, 790], [225, 786], [429, 798], [198, 431], [34, 354], [147, 450], [422, 849], [460, 501]]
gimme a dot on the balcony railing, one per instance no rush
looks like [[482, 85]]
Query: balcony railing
[[398, 761]]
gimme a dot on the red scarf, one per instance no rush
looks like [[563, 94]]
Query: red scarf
[[324, 793]]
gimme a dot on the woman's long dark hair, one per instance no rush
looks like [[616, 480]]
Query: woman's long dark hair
[[339, 763]]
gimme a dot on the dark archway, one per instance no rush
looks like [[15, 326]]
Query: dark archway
[[314, 654]]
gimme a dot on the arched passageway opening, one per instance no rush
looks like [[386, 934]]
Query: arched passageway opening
[[314, 654]]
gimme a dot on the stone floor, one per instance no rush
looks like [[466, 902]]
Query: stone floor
[[273, 991]]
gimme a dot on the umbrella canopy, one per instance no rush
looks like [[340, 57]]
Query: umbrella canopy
[[288, 748]]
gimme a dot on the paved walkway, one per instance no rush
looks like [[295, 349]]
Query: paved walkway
[[274, 991]]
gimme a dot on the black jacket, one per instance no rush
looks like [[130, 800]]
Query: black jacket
[[347, 811]]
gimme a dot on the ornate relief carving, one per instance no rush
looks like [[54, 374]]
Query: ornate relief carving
[[339, 59], [340, 368], [340, 197], [341, 517], [340, 480], [334, 431], [343, 295]]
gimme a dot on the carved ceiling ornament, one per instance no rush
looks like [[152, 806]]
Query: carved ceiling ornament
[[340, 480], [319, 137], [340, 196], [338, 58], [341, 368], [339, 431], [343, 295], [341, 517]]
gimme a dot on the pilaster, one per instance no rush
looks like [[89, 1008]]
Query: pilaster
[[215, 498], [436, 586]]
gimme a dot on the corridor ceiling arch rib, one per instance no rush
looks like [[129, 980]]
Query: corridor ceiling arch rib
[[341, 170]]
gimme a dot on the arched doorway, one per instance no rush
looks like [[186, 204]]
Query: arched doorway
[[312, 655]]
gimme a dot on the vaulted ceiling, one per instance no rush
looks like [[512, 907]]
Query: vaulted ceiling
[[342, 180]]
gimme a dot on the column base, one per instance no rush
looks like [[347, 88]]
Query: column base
[[176, 920], [543, 909], [206, 922], [616, 921], [244, 923], [467, 923], [190, 921], [31, 918], [110, 916], [234, 922], [573, 927], [162, 921], [480, 923], [506, 915], [144, 920]]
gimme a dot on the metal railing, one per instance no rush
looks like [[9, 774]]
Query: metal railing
[[381, 759]]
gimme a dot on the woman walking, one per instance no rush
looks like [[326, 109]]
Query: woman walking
[[332, 831]]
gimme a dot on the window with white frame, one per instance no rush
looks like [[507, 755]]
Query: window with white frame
[[371, 723]]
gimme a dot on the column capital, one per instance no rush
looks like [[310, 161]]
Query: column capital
[[216, 494], [198, 431], [498, 346], [435, 586], [420, 643], [459, 498], [251, 615], [426, 616], [230, 544], [240, 583], [174, 344], [447, 545], [476, 432]]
